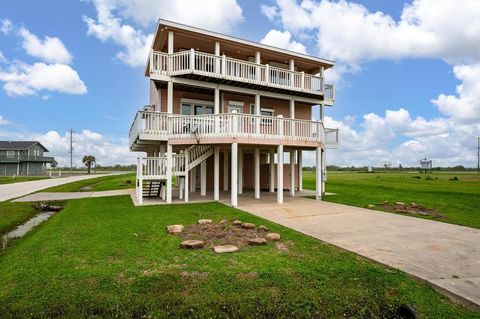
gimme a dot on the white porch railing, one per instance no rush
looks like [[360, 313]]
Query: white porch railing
[[207, 64], [331, 137], [163, 126]]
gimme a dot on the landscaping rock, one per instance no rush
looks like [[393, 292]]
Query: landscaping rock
[[225, 249], [257, 241], [273, 236], [205, 221], [192, 244], [399, 203], [237, 222], [371, 206], [264, 228], [175, 229], [223, 222], [248, 226]]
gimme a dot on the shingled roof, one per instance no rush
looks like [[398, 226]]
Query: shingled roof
[[18, 145]]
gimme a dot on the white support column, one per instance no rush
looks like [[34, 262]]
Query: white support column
[[193, 183], [216, 109], [216, 99], [292, 116], [216, 173], [324, 171], [169, 173], [170, 97], [139, 181], [280, 174], [217, 59], [225, 170], [180, 183], [300, 170], [240, 171], [170, 42], [234, 168], [292, 68], [292, 173], [272, 171], [186, 185], [257, 112], [203, 178], [257, 172], [318, 173], [258, 60]]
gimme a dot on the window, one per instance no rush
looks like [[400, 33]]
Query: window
[[264, 112], [10, 154]]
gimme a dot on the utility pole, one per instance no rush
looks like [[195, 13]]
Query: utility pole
[[71, 151]]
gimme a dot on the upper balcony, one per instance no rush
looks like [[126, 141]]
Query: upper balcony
[[223, 69], [26, 158], [228, 127]]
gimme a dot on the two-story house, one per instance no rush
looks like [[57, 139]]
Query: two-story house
[[228, 115], [23, 158]]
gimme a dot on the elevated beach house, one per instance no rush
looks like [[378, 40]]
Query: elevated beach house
[[23, 158], [228, 116]]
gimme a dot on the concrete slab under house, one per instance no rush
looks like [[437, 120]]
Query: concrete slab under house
[[228, 116]]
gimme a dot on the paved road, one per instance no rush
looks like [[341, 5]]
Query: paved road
[[446, 255], [9, 191], [44, 196]]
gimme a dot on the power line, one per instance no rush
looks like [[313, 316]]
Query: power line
[[478, 155]]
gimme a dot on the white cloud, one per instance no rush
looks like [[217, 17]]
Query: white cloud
[[350, 33], [3, 121], [5, 26], [135, 44], [27, 79], [466, 106], [376, 140], [51, 49], [269, 11], [216, 15], [3, 59], [282, 40]]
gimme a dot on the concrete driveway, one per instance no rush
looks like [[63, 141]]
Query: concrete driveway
[[446, 255], [9, 191]]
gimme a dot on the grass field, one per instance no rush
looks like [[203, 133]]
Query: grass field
[[18, 179], [103, 183], [458, 201], [103, 257]]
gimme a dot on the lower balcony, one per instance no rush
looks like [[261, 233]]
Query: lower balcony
[[226, 128]]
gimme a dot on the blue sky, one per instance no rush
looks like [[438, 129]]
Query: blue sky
[[387, 62]]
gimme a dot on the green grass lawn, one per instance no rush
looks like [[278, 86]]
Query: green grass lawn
[[458, 201], [103, 183], [18, 179], [103, 257], [13, 214]]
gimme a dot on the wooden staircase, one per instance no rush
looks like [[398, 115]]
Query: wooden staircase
[[152, 188]]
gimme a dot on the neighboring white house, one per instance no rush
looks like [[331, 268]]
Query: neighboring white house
[[221, 110]]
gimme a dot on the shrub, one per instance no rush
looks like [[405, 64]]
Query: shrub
[[454, 178]]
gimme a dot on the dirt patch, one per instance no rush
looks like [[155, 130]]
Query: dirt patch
[[194, 275], [281, 247], [412, 208], [223, 233], [247, 275]]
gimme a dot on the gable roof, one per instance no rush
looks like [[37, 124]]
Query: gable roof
[[19, 145]]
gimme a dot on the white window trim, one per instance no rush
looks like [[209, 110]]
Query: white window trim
[[236, 103], [266, 109], [194, 101], [10, 154]]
